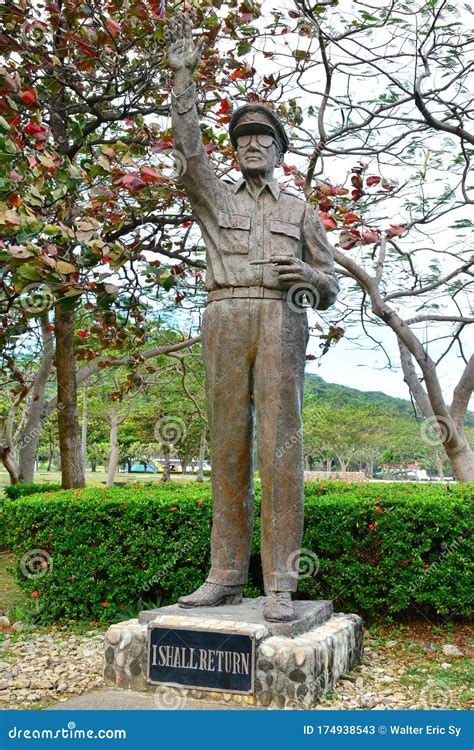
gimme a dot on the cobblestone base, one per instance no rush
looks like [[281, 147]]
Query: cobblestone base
[[290, 672]]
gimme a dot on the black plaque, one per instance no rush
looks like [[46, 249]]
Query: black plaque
[[205, 659]]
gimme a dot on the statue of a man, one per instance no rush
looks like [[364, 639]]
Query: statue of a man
[[261, 243]]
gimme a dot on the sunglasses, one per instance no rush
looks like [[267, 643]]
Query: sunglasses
[[262, 139]]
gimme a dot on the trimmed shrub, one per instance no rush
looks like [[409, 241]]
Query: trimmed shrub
[[382, 549], [20, 490]]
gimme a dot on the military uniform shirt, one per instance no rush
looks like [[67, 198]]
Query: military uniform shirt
[[238, 226]]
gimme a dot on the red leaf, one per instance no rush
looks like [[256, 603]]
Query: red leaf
[[289, 169], [299, 181], [150, 175], [237, 74], [374, 180], [396, 230], [348, 239], [158, 146], [326, 204], [339, 190], [132, 182], [369, 237], [113, 26], [356, 181], [328, 222], [224, 108], [350, 218], [29, 96], [32, 128]]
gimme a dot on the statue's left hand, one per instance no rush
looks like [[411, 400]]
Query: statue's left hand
[[292, 271]]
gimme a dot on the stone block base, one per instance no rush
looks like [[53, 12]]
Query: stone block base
[[291, 672]]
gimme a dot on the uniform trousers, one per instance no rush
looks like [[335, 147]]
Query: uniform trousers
[[254, 359]]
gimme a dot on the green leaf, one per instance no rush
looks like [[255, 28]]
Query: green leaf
[[244, 48], [64, 267]]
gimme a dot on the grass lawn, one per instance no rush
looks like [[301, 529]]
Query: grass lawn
[[98, 478]]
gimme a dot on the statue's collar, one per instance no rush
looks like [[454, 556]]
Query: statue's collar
[[272, 185]]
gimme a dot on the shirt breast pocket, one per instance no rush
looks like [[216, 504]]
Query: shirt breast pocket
[[285, 237], [234, 233]]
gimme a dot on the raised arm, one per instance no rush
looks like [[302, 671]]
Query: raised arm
[[184, 56]]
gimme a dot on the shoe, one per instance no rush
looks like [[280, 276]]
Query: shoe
[[278, 607], [211, 595]]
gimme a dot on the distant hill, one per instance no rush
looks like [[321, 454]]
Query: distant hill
[[340, 395]]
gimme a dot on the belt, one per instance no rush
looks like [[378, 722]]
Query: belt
[[246, 292]]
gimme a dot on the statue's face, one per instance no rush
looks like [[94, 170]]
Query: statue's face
[[258, 154]]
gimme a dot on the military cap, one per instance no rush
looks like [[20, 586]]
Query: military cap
[[257, 118]]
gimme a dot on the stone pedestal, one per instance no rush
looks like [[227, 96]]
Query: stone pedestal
[[295, 663]]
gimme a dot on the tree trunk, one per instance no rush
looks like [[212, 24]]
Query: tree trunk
[[85, 424], [342, 463], [93, 465], [7, 453], [31, 432], [440, 462], [69, 432], [114, 449], [328, 464], [129, 465], [202, 452], [462, 463], [9, 463], [166, 464]]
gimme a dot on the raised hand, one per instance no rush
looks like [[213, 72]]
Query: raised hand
[[183, 54]]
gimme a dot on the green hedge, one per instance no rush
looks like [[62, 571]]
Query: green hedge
[[384, 549], [20, 490]]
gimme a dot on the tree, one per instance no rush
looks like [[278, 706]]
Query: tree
[[76, 87], [414, 107]]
